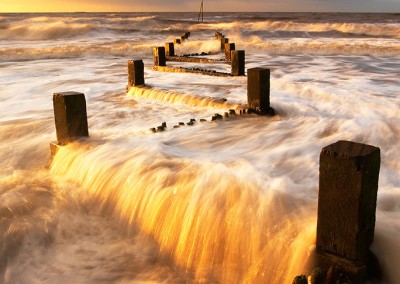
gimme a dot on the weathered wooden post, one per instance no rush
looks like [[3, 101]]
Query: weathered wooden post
[[223, 41], [238, 62], [169, 49], [70, 118], [159, 56], [186, 35], [348, 185], [258, 88], [177, 41], [228, 48], [135, 72]]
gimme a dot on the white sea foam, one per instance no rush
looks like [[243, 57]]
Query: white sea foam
[[44, 31]]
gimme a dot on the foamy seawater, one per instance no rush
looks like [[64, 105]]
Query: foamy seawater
[[233, 201]]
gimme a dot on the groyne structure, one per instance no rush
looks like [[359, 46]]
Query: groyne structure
[[70, 107], [348, 180], [236, 58]]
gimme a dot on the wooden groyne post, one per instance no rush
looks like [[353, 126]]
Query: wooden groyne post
[[258, 90], [348, 186], [135, 73], [70, 118], [170, 49], [229, 47], [237, 62], [159, 56], [223, 41]]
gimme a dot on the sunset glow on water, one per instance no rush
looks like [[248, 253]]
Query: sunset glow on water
[[230, 201]]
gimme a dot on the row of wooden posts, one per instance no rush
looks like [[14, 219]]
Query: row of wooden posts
[[348, 180], [226, 46], [236, 58], [258, 85]]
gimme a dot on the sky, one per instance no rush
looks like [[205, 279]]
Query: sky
[[193, 5]]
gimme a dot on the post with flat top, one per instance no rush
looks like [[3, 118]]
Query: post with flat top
[[258, 88], [228, 48], [223, 41], [348, 186], [169, 49], [237, 62], [70, 118], [159, 56], [135, 72]]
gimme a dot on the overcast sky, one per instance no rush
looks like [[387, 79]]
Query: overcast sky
[[193, 5]]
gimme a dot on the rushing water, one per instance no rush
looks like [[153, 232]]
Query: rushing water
[[232, 201]]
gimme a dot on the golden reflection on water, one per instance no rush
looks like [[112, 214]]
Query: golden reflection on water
[[214, 223]]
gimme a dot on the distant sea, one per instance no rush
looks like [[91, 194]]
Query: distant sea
[[233, 201]]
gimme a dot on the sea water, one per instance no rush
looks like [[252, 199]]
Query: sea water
[[233, 201]]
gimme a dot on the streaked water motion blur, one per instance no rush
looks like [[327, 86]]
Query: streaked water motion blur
[[232, 201]]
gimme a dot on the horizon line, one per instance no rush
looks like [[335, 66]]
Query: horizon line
[[298, 12]]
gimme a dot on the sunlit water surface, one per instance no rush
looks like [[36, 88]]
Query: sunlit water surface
[[232, 201]]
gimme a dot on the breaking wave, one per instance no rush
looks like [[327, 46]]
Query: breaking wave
[[322, 47], [72, 51], [174, 97], [54, 30], [253, 43], [376, 30]]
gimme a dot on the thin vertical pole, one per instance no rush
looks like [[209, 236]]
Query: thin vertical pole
[[201, 13]]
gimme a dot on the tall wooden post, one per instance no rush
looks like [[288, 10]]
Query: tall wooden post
[[348, 186], [258, 88], [238, 62], [169, 49], [223, 41], [159, 56], [228, 48], [70, 116], [135, 73]]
